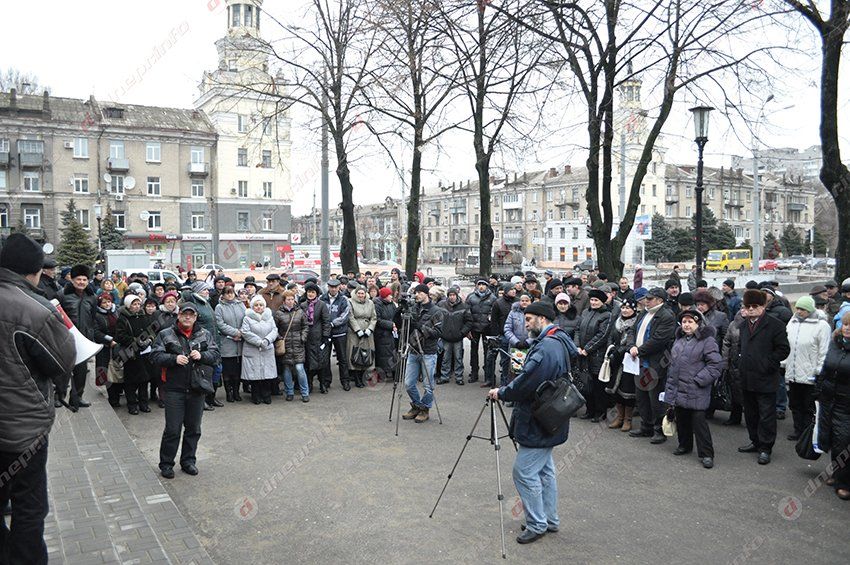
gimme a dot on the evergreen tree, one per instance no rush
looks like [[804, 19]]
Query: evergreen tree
[[714, 235], [684, 246], [820, 244], [75, 247], [110, 237], [661, 245], [791, 241], [772, 247]]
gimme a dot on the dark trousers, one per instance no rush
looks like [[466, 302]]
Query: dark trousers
[[760, 414], [801, 401], [473, 352], [339, 345], [183, 413], [113, 391], [690, 423], [651, 409], [78, 381], [136, 393], [261, 391], [23, 481]]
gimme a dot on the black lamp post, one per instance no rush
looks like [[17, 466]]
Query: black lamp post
[[701, 137]]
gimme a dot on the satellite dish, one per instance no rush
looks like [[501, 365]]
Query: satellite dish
[[144, 216], [47, 248], [107, 177], [129, 183]]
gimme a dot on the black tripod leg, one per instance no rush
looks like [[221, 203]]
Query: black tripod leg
[[434, 396], [507, 426], [452, 472], [498, 448]]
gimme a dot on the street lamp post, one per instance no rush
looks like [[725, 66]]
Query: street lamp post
[[701, 137]]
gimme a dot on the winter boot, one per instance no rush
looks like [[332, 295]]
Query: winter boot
[[412, 413], [422, 416], [627, 418], [228, 391], [618, 421]]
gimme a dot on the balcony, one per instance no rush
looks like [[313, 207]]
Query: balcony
[[508, 203], [30, 153], [4, 153], [770, 204], [199, 169], [734, 203], [512, 238], [116, 165], [671, 197], [796, 207]]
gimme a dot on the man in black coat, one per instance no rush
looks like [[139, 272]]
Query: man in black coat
[[763, 345], [47, 283], [776, 308], [480, 303], [456, 324], [79, 302], [498, 315]]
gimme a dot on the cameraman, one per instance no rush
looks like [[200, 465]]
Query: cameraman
[[178, 349], [534, 470], [425, 330]]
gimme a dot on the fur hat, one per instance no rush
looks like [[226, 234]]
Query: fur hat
[[694, 314], [671, 283], [598, 294], [754, 297], [752, 285], [686, 299], [22, 254], [705, 297], [312, 286], [80, 271], [256, 299]]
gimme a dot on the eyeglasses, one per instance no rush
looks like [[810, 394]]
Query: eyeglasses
[[752, 307]]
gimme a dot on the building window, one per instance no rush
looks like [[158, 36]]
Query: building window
[[116, 186], [120, 221], [654, 190], [643, 190], [711, 192], [197, 221], [32, 182], [241, 123], [197, 189], [653, 168], [267, 189], [4, 217], [669, 210], [242, 191], [32, 218], [689, 192], [242, 220], [563, 254], [81, 184], [241, 157], [196, 154], [549, 214], [548, 253], [575, 233], [154, 186], [267, 159], [153, 152], [688, 212], [267, 126], [248, 21], [236, 15], [2, 179], [81, 148], [643, 208], [563, 233], [83, 218], [534, 197], [231, 65], [550, 195], [154, 220], [267, 221], [116, 149], [498, 217]]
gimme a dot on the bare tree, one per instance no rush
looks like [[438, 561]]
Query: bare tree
[[686, 45], [833, 174], [24, 83]]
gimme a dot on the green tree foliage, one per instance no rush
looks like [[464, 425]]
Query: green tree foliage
[[662, 244], [772, 247], [75, 246], [791, 241], [110, 237], [820, 243], [715, 235]]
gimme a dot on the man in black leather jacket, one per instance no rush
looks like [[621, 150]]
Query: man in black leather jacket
[[425, 329]]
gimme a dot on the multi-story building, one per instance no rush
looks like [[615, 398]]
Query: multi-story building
[[788, 161], [250, 220], [137, 163]]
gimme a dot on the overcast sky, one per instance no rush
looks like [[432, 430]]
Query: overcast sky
[[92, 47]]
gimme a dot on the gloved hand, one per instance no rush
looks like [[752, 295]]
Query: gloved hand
[[522, 344], [360, 333], [368, 332]]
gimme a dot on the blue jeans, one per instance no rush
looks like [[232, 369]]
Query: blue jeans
[[534, 478], [782, 396], [453, 353], [289, 386], [416, 363]]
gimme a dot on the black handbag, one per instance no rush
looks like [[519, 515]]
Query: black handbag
[[201, 380], [721, 393], [557, 401], [805, 445], [361, 356]]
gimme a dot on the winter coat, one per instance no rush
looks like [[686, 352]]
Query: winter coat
[[80, 308], [763, 348], [622, 337], [457, 321], [695, 364], [719, 322], [293, 329], [514, 328], [339, 309], [49, 286], [425, 328], [258, 332], [499, 314], [318, 334], [273, 298], [164, 318], [36, 360], [779, 311], [480, 306], [809, 340], [592, 336], [229, 315], [692, 281], [833, 386], [548, 359], [172, 342], [623, 295], [733, 304], [729, 351], [657, 340], [568, 321], [363, 318], [135, 333], [206, 316], [580, 301], [637, 282], [105, 322], [385, 344]]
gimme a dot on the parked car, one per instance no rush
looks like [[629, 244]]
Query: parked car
[[767, 265], [159, 275], [389, 264], [818, 264], [586, 265], [301, 275], [210, 267]]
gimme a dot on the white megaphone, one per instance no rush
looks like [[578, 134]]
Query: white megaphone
[[86, 349]]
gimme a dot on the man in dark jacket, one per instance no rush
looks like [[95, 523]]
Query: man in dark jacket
[[624, 292], [777, 309], [47, 283], [425, 329], [79, 302], [180, 351], [578, 296], [480, 304], [654, 335], [340, 311], [673, 289], [498, 314], [534, 468], [733, 301], [553, 289], [456, 324], [763, 346], [35, 362]]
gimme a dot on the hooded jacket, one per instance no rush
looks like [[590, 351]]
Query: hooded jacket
[[514, 328], [695, 363], [809, 340]]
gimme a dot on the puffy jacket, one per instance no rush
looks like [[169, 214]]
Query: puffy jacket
[[809, 340], [733, 304], [843, 309], [385, 345], [363, 318], [592, 331], [514, 328], [762, 350], [228, 321], [49, 286], [457, 321], [339, 309], [568, 321], [164, 318], [273, 298], [172, 342], [547, 360], [695, 364], [293, 329], [318, 334], [206, 316], [135, 333], [425, 328], [480, 306], [720, 322], [36, 352], [833, 382], [80, 308], [105, 322], [259, 332], [779, 311], [499, 313]]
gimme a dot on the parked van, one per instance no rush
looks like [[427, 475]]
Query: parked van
[[729, 260]]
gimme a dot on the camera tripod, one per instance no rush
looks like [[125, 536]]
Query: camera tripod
[[401, 369], [497, 446]]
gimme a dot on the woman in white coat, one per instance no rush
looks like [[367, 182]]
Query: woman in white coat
[[259, 332], [808, 336]]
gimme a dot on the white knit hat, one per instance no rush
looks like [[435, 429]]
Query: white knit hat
[[130, 298]]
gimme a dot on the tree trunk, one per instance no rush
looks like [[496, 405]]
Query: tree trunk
[[485, 243], [413, 220], [348, 243]]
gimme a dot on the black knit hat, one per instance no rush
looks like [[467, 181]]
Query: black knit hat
[[421, 288], [686, 299], [671, 283], [752, 285], [730, 283], [21, 254], [598, 294], [80, 271], [540, 309]]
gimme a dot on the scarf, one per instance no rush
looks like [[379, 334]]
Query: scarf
[[311, 305]]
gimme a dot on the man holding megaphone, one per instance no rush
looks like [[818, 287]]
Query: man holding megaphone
[[37, 353], [79, 302]]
